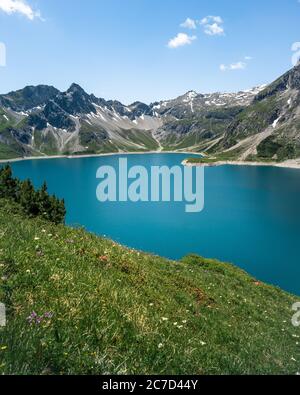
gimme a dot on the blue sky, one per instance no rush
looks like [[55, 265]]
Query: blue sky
[[147, 50]]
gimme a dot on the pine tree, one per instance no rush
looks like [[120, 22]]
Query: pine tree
[[44, 202], [8, 185], [61, 211], [58, 211], [33, 202], [29, 198]]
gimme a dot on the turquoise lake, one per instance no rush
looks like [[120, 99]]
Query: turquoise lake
[[251, 216]]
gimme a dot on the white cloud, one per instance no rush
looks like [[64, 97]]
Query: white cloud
[[214, 30], [238, 66], [233, 66], [213, 25], [189, 24], [180, 40], [20, 7], [248, 58], [211, 18]]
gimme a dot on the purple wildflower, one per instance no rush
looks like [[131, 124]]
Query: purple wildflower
[[35, 319], [32, 317]]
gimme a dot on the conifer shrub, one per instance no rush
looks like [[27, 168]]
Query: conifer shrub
[[33, 202]]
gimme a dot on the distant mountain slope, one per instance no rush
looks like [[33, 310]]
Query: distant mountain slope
[[72, 122], [195, 120], [263, 122], [270, 127]]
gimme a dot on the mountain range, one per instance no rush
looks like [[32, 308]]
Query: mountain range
[[260, 123]]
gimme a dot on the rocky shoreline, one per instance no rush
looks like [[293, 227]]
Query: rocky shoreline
[[95, 155], [291, 164]]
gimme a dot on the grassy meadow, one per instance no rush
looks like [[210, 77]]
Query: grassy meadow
[[80, 304]]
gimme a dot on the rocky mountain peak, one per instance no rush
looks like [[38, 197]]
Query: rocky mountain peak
[[28, 97], [191, 94], [75, 88], [74, 120]]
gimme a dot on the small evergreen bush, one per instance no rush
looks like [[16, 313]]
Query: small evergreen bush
[[34, 203]]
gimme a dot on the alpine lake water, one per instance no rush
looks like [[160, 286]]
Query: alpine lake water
[[251, 216]]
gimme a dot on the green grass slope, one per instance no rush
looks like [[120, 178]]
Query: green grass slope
[[107, 309]]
